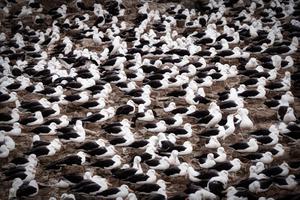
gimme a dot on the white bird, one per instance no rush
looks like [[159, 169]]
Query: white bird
[[170, 107], [253, 173], [244, 120], [193, 174], [8, 98], [251, 64], [221, 155], [288, 183], [213, 143], [112, 193], [147, 116], [12, 130], [278, 150], [21, 189], [209, 161], [108, 163], [160, 164], [149, 177], [213, 118], [10, 118], [66, 196], [78, 136], [250, 146], [37, 119], [174, 121], [202, 194], [125, 140], [91, 184], [286, 114], [265, 158], [205, 82], [186, 148], [173, 158], [8, 142], [156, 127], [220, 180], [180, 170], [4, 151]]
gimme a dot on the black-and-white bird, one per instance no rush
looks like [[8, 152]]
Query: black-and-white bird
[[230, 166], [102, 151], [77, 159], [217, 184], [266, 157], [174, 171], [238, 193], [91, 185], [281, 170], [11, 117], [286, 114], [14, 129], [108, 163], [23, 161], [149, 177], [288, 183], [45, 149], [8, 97], [21, 189], [151, 187], [261, 185], [127, 109], [92, 144], [60, 122], [126, 171], [37, 119], [247, 147], [185, 132], [115, 192], [45, 129]]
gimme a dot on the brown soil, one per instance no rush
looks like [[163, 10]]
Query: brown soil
[[260, 114]]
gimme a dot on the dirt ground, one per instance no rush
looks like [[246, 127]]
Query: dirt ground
[[259, 113]]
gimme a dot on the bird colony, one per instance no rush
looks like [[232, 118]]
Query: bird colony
[[148, 100]]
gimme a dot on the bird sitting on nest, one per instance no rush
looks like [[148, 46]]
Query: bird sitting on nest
[[112, 193], [126, 171], [108, 163], [91, 184], [11, 129], [149, 177], [247, 147], [127, 109], [46, 149], [175, 171], [77, 159], [23, 189], [10, 118]]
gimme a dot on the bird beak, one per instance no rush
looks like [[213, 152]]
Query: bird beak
[[130, 190], [109, 184]]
